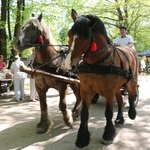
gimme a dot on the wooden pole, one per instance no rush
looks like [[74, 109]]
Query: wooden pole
[[40, 72]]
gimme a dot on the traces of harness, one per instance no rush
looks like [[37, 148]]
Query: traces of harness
[[57, 68], [99, 68]]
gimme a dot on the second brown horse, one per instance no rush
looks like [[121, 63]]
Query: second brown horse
[[105, 69]]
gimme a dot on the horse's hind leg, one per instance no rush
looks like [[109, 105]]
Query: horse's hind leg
[[132, 97], [119, 120], [67, 116], [77, 107]]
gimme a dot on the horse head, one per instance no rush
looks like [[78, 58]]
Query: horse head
[[78, 34], [82, 37], [34, 31]]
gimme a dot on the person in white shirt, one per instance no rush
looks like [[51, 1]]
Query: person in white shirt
[[123, 39], [143, 67], [18, 78], [33, 93]]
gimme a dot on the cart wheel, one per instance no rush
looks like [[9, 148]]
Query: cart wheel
[[95, 98], [136, 96]]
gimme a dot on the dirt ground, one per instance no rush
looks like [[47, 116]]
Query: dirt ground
[[18, 124]]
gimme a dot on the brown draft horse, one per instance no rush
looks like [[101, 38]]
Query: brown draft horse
[[104, 70], [35, 33]]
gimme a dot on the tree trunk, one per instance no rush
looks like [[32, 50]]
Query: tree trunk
[[19, 19], [3, 37]]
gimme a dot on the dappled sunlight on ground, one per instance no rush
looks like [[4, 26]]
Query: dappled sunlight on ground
[[18, 124]]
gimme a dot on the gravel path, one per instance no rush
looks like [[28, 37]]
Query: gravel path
[[18, 124]]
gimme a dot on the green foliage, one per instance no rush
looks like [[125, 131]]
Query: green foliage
[[113, 13], [2, 24], [62, 35]]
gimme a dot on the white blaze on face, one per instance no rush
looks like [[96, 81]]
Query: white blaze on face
[[21, 37], [68, 59]]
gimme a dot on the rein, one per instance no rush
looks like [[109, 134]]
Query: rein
[[61, 52], [53, 69], [38, 45]]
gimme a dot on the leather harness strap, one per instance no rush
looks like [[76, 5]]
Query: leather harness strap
[[101, 69]]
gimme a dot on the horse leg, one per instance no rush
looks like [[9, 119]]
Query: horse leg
[[110, 131], [77, 107], [132, 98], [67, 115], [45, 122], [119, 120], [83, 137]]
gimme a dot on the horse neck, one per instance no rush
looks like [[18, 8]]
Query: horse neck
[[45, 54], [47, 51], [102, 49]]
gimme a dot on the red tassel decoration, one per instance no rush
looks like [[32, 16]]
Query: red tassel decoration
[[93, 47], [40, 39]]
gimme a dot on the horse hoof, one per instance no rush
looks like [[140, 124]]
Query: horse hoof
[[132, 113], [68, 118], [42, 128], [75, 115], [106, 142], [85, 148], [119, 123]]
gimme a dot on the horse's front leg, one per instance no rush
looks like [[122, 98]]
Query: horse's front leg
[[45, 122], [119, 120], [83, 137], [67, 115], [77, 107], [109, 131]]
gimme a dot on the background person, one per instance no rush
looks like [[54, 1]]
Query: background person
[[123, 39], [143, 67], [33, 93], [2, 63], [147, 65], [19, 78]]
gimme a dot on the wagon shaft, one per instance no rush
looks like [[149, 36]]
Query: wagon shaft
[[40, 72]]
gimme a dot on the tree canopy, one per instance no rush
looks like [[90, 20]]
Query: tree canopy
[[134, 14]]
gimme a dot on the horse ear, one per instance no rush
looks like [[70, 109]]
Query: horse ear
[[40, 17], [74, 15]]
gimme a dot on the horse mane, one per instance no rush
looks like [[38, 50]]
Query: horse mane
[[81, 27], [47, 33]]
